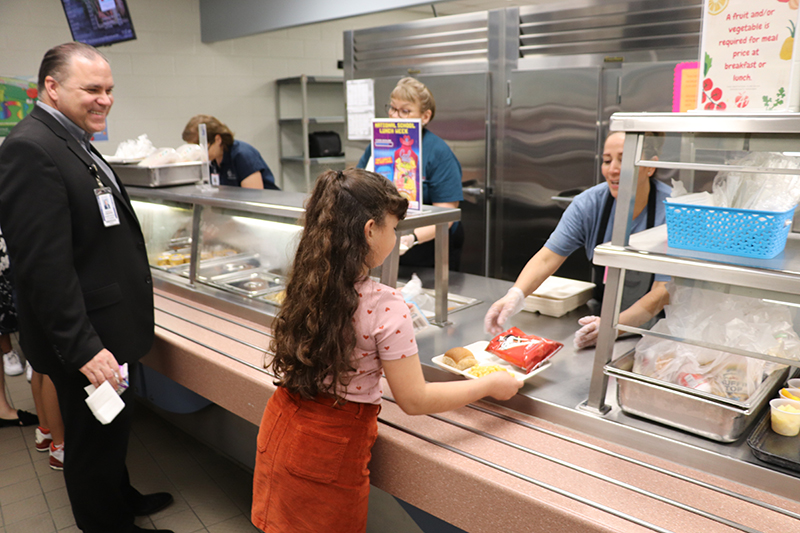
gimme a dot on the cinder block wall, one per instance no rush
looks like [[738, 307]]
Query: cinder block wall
[[167, 74]]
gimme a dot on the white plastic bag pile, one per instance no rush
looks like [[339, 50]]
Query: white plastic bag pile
[[763, 192], [723, 319], [135, 148], [758, 191], [142, 148]]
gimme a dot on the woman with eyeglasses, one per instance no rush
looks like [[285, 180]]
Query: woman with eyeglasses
[[441, 175]]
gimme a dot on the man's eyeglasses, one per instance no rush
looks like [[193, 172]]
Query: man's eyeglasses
[[402, 113]]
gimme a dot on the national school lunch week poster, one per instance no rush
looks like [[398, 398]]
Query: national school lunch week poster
[[397, 153], [748, 58]]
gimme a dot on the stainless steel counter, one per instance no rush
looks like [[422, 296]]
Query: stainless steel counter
[[557, 393]]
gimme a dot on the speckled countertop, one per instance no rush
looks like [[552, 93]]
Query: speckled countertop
[[484, 467]]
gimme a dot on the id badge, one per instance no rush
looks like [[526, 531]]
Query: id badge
[[108, 210], [215, 179]]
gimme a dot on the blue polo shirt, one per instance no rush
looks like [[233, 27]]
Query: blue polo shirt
[[580, 223], [441, 171], [239, 162]]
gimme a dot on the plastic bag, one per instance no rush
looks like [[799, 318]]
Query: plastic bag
[[414, 295], [135, 148], [763, 192], [724, 319], [164, 156], [190, 152], [520, 349], [412, 292]]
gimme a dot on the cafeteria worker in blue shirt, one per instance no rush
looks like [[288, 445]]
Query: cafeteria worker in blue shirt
[[441, 175], [587, 222], [236, 163]]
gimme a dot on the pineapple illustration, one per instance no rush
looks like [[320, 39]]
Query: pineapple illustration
[[788, 44]]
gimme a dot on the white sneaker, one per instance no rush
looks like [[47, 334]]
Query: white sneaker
[[43, 440], [56, 457], [28, 371], [12, 364]]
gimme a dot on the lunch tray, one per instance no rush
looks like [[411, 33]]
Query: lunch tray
[[772, 448]]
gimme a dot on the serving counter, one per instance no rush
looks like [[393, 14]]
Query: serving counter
[[535, 463]]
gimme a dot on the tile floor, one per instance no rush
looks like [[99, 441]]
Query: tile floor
[[212, 494]]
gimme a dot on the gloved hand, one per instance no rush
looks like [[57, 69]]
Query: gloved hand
[[587, 335], [503, 309], [407, 242]]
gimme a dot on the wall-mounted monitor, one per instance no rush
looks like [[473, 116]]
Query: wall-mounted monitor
[[99, 22]]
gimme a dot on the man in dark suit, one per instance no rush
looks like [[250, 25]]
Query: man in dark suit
[[84, 290]]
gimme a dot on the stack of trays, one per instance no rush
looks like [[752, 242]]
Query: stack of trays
[[558, 296]]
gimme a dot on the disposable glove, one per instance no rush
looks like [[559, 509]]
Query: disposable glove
[[587, 335], [407, 242], [503, 309]]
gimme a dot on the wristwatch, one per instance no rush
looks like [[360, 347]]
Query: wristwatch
[[416, 241]]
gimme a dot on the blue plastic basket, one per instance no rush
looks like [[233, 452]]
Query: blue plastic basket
[[721, 230]]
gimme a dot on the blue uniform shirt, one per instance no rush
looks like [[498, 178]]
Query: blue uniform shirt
[[239, 162], [580, 223], [441, 171]]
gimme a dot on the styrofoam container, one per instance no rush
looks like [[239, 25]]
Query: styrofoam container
[[558, 296]]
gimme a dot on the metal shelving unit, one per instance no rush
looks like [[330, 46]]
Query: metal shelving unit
[[701, 143], [300, 113]]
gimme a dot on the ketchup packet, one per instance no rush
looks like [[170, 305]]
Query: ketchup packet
[[520, 349]]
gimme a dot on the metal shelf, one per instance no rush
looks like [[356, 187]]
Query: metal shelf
[[727, 123], [312, 120], [648, 251], [313, 160], [300, 87], [310, 79]]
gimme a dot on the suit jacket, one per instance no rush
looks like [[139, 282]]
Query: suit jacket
[[80, 286]]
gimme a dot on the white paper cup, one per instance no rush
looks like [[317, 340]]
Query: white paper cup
[[793, 383], [793, 392], [783, 423]]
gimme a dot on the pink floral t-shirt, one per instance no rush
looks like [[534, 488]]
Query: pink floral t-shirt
[[384, 332]]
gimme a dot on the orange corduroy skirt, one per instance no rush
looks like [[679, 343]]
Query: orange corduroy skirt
[[311, 471]]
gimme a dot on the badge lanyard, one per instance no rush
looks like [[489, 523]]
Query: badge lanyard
[[105, 200]]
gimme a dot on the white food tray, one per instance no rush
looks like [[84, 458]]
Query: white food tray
[[483, 357], [558, 296]]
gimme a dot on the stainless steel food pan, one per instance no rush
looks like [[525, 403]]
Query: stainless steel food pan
[[220, 266], [251, 283], [697, 412], [164, 176]]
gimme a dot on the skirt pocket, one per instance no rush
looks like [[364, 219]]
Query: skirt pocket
[[315, 455]]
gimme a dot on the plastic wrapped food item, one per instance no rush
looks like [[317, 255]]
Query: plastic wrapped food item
[[520, 349]]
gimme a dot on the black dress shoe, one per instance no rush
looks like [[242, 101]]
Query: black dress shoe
[[152, 503], [137, 529]]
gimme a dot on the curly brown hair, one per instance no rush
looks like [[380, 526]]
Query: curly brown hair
[[314, 332]]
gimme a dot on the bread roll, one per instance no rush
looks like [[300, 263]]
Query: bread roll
[[448, 361], [457, 354], [462, 358], [467, 363]]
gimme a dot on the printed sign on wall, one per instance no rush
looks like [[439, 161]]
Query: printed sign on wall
[[748, 61]]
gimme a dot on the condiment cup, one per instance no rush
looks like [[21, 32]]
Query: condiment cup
[[783, 423], [793, 383], [785, 392]]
